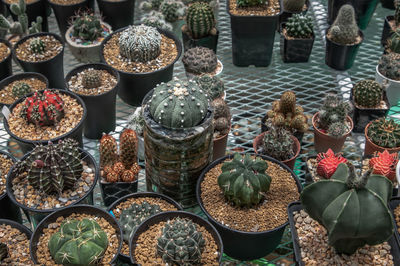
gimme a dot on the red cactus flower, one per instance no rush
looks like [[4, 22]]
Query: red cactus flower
[[328, 162], [384, 164]]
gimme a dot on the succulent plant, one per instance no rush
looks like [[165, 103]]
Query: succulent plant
[[367, 93], [389, 66], [384, 133], [333, 110], [108, 150], [136, 122], [43, 108], [21, 89], [118, 168], [128, 145], [172, 10], [37, 46], [222, 116], [86, 26], [129, 175], [393, 43], [133, 216], [294, 6], [180, 242], [347, 206], [212, 85], [384, 163], [278, 143], [287, 102], [156, 19], [328, 162], [3, 251], [112, 177], [140, 43], [299, 26], [78, 243], [247, 3], [150, 5], [91, 79], [200, 19], [344, 29], [178, 104], [244, 180], [337, 129], [200, 60]]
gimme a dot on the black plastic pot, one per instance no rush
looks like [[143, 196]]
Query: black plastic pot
[[75, 133], [245, 245], [165, 216], [118, 14], [83, 209], [22, 228], [283, 18], [295, 50], [253, 38], [6, 64], [341, 57], [100, 108], [393, 204], [296, 206], [210, 41], [134, 86], [114, 191], [2, 8], [297, 134], [52, 68], [388, 4], [386, 30]]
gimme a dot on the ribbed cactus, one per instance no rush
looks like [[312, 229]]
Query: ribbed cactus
[[86, 26], [178, 104], [328, 162], [384, 133], [200, 19], [21, 89], [200, 60], [128, 145], [78, 243], [344, 29], [172, 10], [108, 150], [294, 6], [91, 79], [389, 66], [212, 85], [384, 163], [3, 251], [250, 3], [180, 243], [299, 26], [156, 19], [278, 143], [348, 206], [367, 93], [244, 180], [133, 216], [37, 46], [333, 110], [140, 43]]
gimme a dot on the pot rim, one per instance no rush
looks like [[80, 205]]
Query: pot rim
[[76, 45], [60, 5], [8, 44], [360, 33], [14, 160], [254, 16], [384, 77], [9, 4], [349, 119], [283, 24]]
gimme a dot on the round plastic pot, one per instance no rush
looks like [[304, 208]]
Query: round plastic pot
[[19, 226], [118, 14], [257, 32], [36, 215], [76, 133], [242, 245], [6, 63], [79, 209], [219, 146], [371, 147], [166, 216], [209, 41], [386, 30], [110, 209], [134, 86], [283, 18], [100, 108], [52, 68], [388, 4], [341, 57], [33, 10], [295, 50], [391, 86]]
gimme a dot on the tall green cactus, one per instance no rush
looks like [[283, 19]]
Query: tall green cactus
[[367, 93], [344, 29], [353, 209], [200, 19]]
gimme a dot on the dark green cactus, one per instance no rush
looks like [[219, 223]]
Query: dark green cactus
[[389, 66], [133, 216], [78, 243], [200, 60], [246, 3], [37, 46], [180, 243], [334, 109], [244, 180], [212, 85], [91, 79], [294, 6], [299, 26], [172, 10], [87, 26], [278, 143], [3, 251], [200, 19], [21, 89], [348, 206], [367, 93], [344, 29], [384, 133]]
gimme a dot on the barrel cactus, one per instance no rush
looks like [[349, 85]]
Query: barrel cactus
[[21, 89], [244, 180], [200, 19], [368, 93], [278, 143], [327, 163], [212, 85], [91, 79], [37, 46], [180, 243], [200, 60], [384, 163], [348, 206], [178, 104], [294, 6], [78, 243], [344, 29], [299, 26], [389, 66], [384, 133], [128, 145], [87, 26], [3, 251]]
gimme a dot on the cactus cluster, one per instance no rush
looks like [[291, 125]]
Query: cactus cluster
[[156, 19], [384, 133], [78, 243], [368, 93], [384, 163], [278, 143], [172, 10], [328, 162], [140, 43], [212, 85], [20, 89], [299, 26], [200, 20], [91, 79], [43, 108], [250, 3], [86, 26], [344, 29], [37, 46], [178, 104], [389, 66], [133, 216], [200, 60], [180, 243], [222, 117], [294, 6], [3, 251]]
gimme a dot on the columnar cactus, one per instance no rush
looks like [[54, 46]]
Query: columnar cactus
[[384, 163], [37, 46], [367, 93], [140, 43], [294, 6], [344, 29], [200, 19], [348, 206], [299, 26], [249, 3], [128, 145], [87, 26], [178, 104], [130, 175], [108, 150], [91, 79], [278, 143], [199, 60], [21, 89], [180, 243], [3, 251], [44, 108], [78, 243], [384, 133], [287, 103], [244, 180], [328, 162], [172, 10], [389, 66], [334, 111], [212, 85]]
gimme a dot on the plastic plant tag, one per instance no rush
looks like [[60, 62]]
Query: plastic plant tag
[[6, 112]]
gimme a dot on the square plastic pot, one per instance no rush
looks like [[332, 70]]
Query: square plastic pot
[[295, 50]]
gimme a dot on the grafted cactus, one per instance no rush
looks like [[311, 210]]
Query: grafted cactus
[[368, 93], [328, 162], [384, 163], [212, 85], [200, 19], [91, 79], [37, 46], [294, 6], [199, 60], [344, 29], [20, 89]]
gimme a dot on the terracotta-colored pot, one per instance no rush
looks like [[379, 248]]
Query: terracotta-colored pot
[[219, 146], [371, 147], [257, 142], [323, 142]]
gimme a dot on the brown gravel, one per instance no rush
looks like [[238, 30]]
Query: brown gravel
[[53, 48], [4, 51], [270, 214], [397, 217], [43, 253], [6, 96], [169, 52], [33, 198], [5, 166], [312, 168], [66, 2], [18, 246], [272, 8], [315, 250], [108, 82], [73, 115], [145, 252]]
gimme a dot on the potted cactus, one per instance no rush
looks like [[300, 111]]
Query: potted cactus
[[201, 60], [384, 163], [393, 43], [222, 126], [297, 39], [200, 28], [118, 14], [14, 243], [343, 39], [291, 7], [388, 75], [33, 10], [5, 59], [382, 134], [391, 24], [156, 19], [324, 165]]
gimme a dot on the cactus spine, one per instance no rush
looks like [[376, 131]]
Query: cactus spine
[[200, 19], [199, 60], [91, 79], [20, 89], [368, 93], [344, 29], [37, 46], [328, 162]]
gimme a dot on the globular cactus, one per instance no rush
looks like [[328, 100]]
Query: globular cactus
[[37, 46], [86, 26], [128, 145], [180, 243], [112, 177], [91, 79], [200, 60], [299, 26], [172, 10], [328, 162], [299, 123], [129, 175], [178, 104], [344, 29], [78, 243], [156, 19], [200, 19], [333, 110], [118, 168], [21, 89], [3, 251], [384, 133], [389, 66], [337, 129], [393, 44], [212, 85], [108, 150], [278, 143], [348, 206], [367, 93], [44, 108], [294, 6], [140, 43], [222, 116], [133, 216], [384, 163], [250, 3]]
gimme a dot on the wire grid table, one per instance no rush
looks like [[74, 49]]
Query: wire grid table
[[251, 90]]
